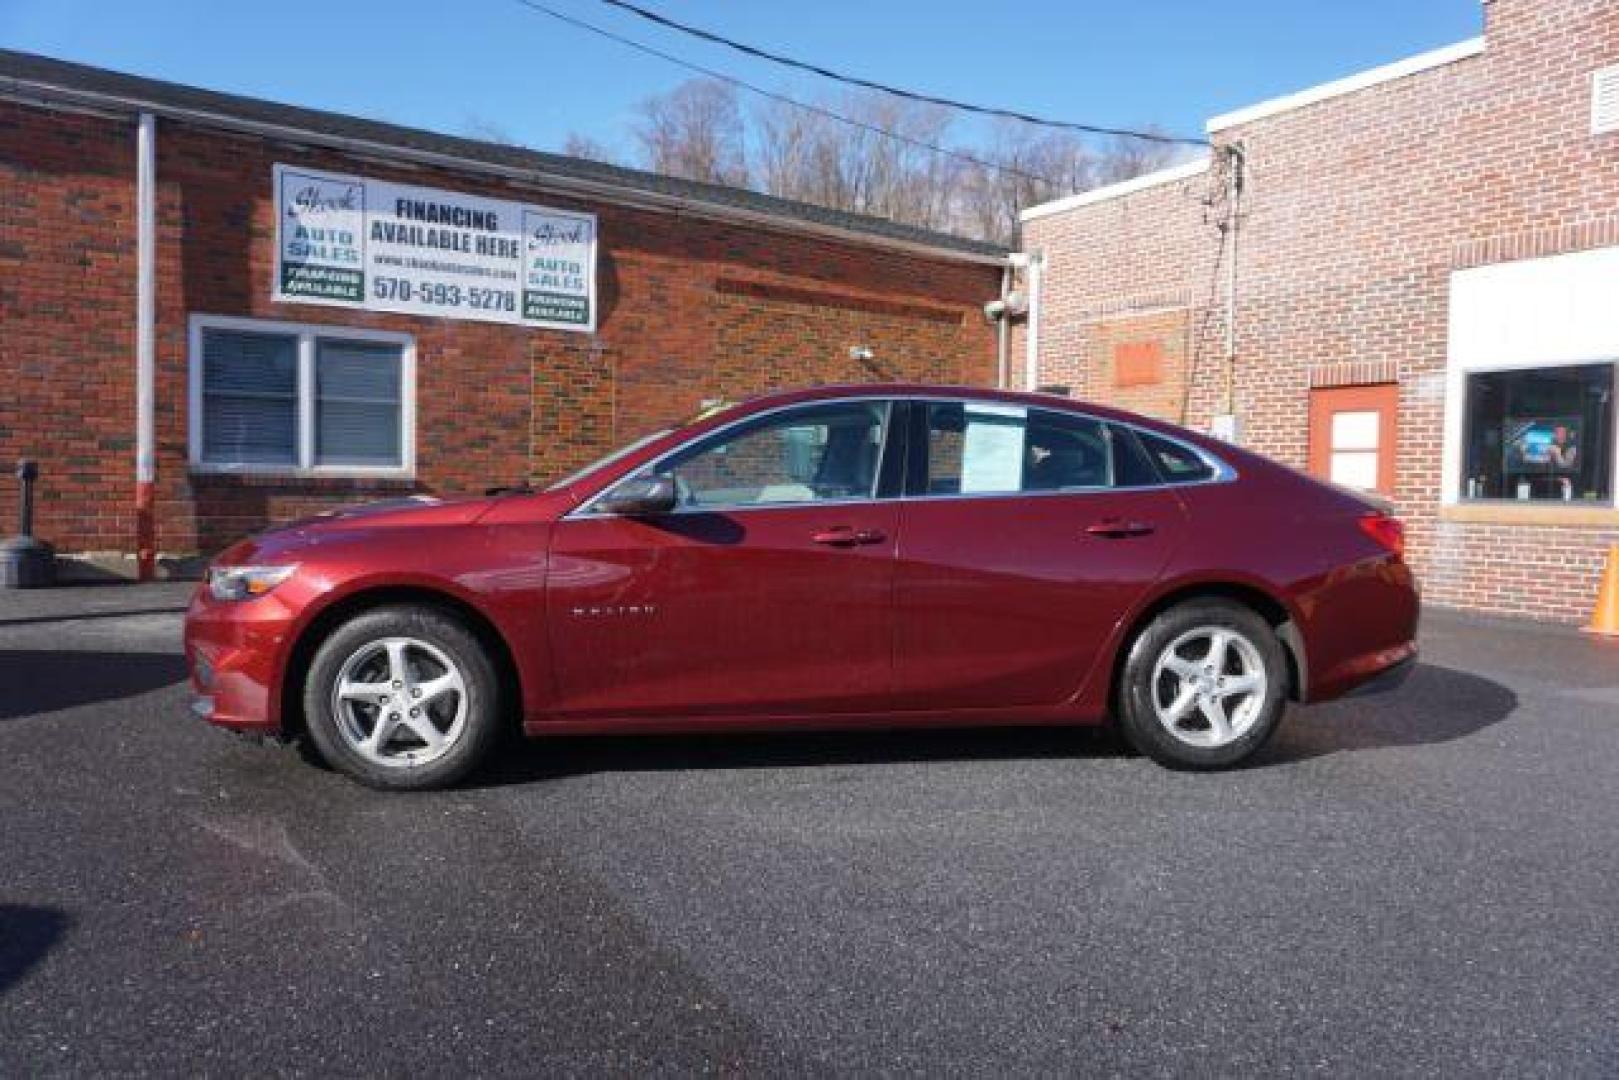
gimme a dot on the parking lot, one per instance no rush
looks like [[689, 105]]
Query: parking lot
[[1415, 883]]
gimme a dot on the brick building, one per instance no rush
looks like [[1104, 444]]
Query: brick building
[[1421, 289], [332, 309]]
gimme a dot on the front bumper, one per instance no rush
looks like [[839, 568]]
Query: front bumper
[[233, 651]]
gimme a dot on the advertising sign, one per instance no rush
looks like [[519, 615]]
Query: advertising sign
[[381, 246], [1543, 443]]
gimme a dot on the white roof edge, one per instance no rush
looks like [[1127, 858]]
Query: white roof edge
[[1114, 191], [1449, 54]]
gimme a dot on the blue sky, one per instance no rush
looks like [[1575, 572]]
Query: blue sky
[[460, 66]]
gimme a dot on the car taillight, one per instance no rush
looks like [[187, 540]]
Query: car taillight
[[1388, 532]]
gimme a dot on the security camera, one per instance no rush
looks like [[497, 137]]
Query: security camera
[[1015, 303]]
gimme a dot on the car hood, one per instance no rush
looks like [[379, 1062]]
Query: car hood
[[390, 513]]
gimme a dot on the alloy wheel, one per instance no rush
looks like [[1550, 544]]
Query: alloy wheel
[[1209, 686], [400, 701]]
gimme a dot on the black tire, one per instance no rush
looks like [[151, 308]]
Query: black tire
[[438, 636], [1186, 625]]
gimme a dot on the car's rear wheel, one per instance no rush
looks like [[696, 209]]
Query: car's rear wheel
[[1204, 685], [403, 698]]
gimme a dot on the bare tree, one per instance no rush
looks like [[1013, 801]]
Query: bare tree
[[890, 157], [487, 130], [1126, 158], [1025, 166], [790, 148], [583, 146], [809, 156], [696, 131]]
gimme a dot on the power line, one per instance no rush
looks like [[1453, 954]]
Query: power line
[[854, 80], [873, 129]]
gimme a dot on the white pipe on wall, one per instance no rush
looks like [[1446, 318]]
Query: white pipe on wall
[[1003, 332], [1031, 334], [145, 342]]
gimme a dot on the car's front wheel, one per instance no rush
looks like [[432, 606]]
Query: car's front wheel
[[1204, 685], [403, 698]]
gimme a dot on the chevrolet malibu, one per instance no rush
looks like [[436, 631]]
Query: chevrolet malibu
[[856, 557]]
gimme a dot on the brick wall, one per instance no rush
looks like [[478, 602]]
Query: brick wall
[[1356, 211], [67, 320], [690, 309]]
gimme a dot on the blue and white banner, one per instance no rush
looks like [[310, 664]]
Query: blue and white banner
[[380, 246]]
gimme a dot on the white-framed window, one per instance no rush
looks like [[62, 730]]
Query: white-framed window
[[301, 399], [1531, 380]]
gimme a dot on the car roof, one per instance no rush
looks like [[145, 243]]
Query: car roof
[[1037, 399], [736, 412]]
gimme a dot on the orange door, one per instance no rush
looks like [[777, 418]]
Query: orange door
[[1353, 434]]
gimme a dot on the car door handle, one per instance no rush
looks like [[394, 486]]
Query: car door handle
[[1119, 529], [845, 536]]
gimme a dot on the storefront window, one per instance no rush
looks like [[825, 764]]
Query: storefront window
[[1543, 434]]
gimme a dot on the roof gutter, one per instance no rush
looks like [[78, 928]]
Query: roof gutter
[[47, 94]]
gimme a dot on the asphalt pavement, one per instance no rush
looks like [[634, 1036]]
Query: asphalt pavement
[[1422, 883]]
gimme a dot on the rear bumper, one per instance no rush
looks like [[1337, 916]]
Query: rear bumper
[[233, 652], [1372, 673], [1390, 678]]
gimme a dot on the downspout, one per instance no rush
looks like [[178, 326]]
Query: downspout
[[1234, 164], [1003, 331], [1031, 332], [145, 346]]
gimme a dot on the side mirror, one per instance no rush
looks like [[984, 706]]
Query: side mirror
[[641, 496]]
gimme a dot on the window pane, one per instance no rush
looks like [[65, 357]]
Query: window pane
[[1067, 452], [805, 455], [1175, 463], [249, 398], [1130, 465], [985, 448], [357, 404], [1354, 468], [1355, 430], [976, 448], [1544, 434]]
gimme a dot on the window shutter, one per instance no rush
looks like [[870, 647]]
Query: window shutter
[[249, 398], [357, 404]]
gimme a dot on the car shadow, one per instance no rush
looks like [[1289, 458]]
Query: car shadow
[[89, 616], [1434, 705], [549, 759], [26, 935], [48, 680]]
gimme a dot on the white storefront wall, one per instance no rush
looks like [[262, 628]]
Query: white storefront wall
[[1553, 312]]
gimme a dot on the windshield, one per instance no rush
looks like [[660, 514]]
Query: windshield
[[710, 408], [602, 462]]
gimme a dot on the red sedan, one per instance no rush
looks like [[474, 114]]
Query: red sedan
[[875, 556]]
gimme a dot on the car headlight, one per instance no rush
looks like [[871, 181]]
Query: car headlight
[[245, 582]]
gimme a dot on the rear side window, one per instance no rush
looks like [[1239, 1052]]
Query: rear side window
[[1176, 464], [988, 448]]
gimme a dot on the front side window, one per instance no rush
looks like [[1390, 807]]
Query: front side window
[[988, 448], [815, 453], [1540, 435], [292, 398]]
